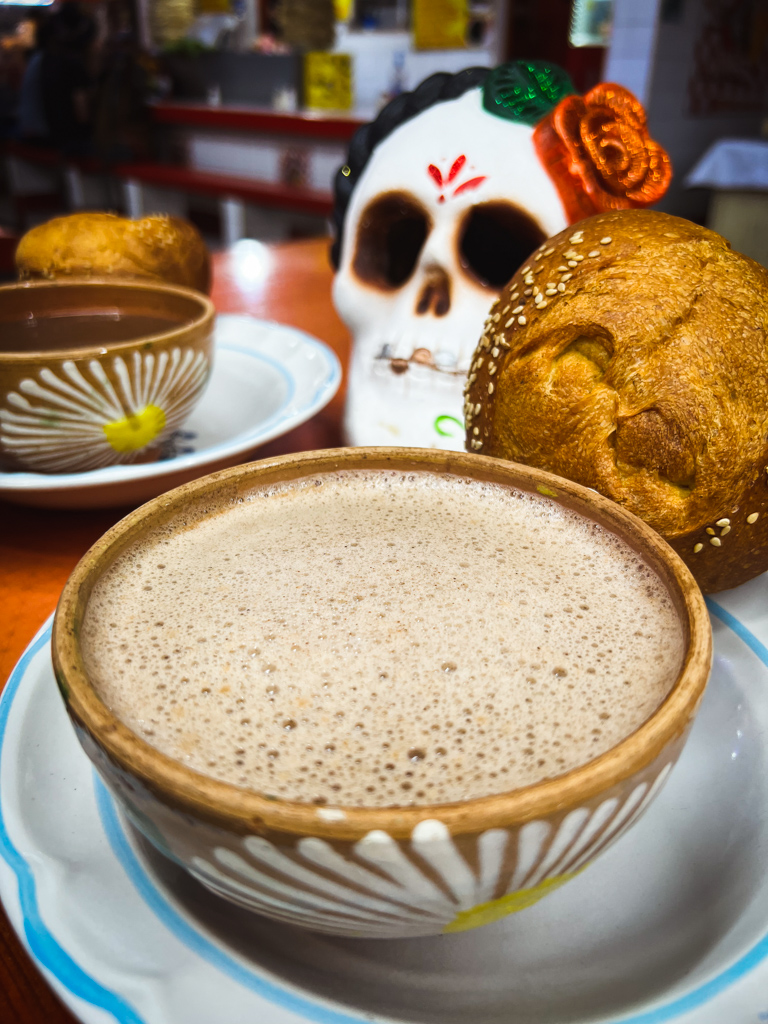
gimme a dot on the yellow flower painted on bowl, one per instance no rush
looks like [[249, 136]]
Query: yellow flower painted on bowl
[[131, 433], [78, 417], [494, 910]]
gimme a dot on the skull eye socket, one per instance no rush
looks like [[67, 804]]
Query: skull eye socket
[[494, 240], [390, 236]]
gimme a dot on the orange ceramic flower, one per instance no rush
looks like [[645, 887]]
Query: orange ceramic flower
[[597, 150]]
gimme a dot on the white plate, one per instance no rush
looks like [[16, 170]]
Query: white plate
[[267, 379], [671, 924]]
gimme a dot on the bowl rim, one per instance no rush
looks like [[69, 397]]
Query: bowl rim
[[240, 810], [202, 320]]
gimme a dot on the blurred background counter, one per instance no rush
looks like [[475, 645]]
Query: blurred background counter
[[246, 106], [265, 174], [237, 113], [236, 171]]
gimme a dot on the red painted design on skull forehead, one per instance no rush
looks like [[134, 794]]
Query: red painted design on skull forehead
[[458, 163], [472, 183], [456, 168]]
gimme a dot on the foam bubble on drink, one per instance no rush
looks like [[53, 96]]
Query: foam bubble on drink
[[383, 638]]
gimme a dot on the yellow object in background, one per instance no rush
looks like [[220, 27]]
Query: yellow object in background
[[214, 7], [440, 24], [327, 81], [170, 19], [343, 9]]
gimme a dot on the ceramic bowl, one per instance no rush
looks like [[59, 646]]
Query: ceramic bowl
[[382, 872], [95, 372]]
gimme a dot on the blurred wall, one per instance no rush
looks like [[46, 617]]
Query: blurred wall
[[629, 60], [707, 83]]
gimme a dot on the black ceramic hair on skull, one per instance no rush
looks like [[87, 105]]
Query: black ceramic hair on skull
[[435, 89]]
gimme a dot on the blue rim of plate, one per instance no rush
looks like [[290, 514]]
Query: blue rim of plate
[[55, 959], [265, 431]]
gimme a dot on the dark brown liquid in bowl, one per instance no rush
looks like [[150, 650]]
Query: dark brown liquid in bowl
[[81, 329]]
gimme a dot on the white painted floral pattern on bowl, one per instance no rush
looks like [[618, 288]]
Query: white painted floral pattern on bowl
[[75, 419], [389, 890]]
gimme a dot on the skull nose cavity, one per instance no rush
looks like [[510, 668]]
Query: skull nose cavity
[[435, 297]]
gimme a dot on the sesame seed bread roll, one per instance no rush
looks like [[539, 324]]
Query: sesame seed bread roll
[[630, 354], [104, 245]]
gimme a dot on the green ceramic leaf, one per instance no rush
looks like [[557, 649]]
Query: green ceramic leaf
[[525, 90]]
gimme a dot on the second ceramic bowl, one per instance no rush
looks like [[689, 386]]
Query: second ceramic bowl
[[95, 372]]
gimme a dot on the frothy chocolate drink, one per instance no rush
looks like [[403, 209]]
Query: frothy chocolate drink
[[374, 638]]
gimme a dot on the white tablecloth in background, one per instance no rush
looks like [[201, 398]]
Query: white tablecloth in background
[[731, 164]]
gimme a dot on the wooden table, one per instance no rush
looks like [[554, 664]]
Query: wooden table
[[39, 547]]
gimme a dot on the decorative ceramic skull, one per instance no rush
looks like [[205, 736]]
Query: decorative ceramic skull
[[433, 218]]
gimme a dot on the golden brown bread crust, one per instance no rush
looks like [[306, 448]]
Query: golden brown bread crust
[[642, 372], [103, 244]]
